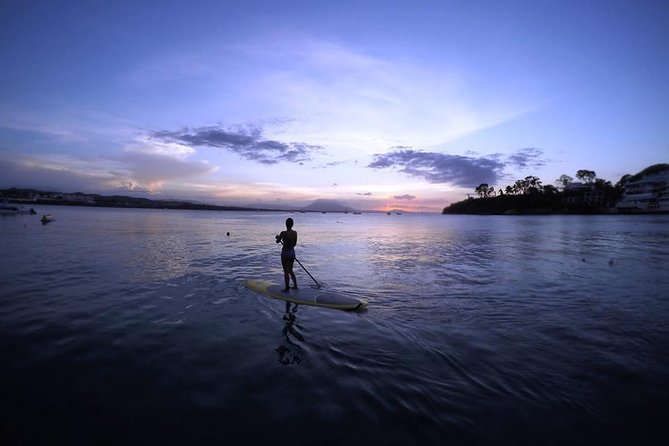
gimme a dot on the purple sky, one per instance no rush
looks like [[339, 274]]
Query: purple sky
[[374, 104]]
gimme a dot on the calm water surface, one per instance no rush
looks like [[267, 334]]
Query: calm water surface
[[134, 327]]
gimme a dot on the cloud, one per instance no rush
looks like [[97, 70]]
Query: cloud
[[246, 142], [463, 171], [366, 194], [527, 157], [404, 197], [153, 170], [342, 95], [143, 165], [24, 172]]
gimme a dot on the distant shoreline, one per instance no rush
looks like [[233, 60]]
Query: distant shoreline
[[542, 213], [533, 205], [32, 197], [156, 204]]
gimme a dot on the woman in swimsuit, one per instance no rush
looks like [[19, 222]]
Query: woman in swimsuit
[[289, 240]]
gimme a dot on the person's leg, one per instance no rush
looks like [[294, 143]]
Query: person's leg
[[292, 274], [285, 263]]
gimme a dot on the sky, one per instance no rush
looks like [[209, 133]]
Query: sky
[[376, 105]]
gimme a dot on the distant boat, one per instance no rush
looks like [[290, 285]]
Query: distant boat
[[11, 209], [47, 218], [357, 213]]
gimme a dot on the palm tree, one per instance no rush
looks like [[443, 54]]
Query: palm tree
[[532, 184], [482, 190], [520, 186]]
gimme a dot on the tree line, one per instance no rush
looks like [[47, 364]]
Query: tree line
[[533, 185], [591, 195]]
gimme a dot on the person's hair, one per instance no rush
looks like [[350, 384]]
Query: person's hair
[[289, 222]]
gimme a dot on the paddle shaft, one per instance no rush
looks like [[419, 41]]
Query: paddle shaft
[[305, 270], [312, 277]]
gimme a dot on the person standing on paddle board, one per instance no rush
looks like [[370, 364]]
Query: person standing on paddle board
[[289, 240]]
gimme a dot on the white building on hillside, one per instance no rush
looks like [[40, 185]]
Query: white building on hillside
[[650, 193]]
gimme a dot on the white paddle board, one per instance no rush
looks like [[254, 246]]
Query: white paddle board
[[307, 296]]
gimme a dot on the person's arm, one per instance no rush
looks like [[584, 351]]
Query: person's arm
[[279, 237]]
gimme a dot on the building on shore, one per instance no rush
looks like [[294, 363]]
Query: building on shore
[[586, 195], [648, 193]]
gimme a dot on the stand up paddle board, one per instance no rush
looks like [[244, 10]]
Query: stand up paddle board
[[306, 296]]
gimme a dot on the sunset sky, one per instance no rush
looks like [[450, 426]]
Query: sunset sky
[[374, 104]]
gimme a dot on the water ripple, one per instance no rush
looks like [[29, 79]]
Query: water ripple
[[494, 330]]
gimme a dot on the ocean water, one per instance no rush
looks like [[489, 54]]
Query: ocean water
[[134, 327]]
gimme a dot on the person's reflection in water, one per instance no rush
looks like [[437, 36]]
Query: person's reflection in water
[[290, 353]]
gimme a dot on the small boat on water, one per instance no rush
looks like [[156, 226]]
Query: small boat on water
[[12, 209], [47, 218]]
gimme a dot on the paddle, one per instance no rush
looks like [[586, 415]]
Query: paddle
[[312, 277], [305, 270]]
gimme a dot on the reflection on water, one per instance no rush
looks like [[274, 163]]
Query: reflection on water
[[290, 352], [490, 330]]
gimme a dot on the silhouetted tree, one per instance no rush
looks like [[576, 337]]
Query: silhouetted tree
[[587, 176], [532, 184], [564, 181], [602, 184], [550, 189], [482, 190], [620, 185]]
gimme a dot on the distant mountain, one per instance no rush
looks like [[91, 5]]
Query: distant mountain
[[326, 205]]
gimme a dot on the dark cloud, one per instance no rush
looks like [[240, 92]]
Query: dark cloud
[[367, 194], [404, 197], [464, 171], [246, 142], [527, 157]]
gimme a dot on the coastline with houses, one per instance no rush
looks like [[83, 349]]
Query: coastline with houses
[[646, 192]]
